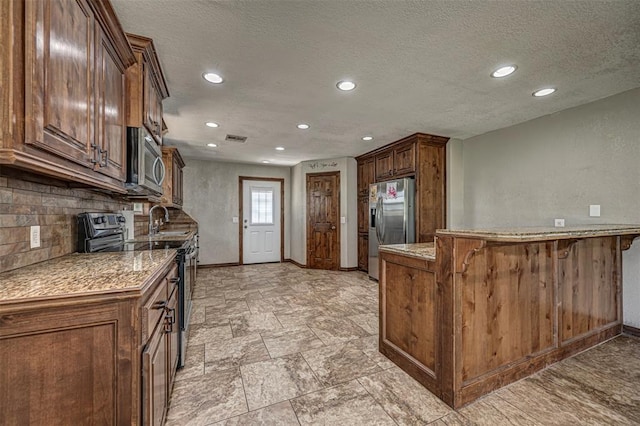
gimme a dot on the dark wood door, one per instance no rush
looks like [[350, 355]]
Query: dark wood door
[[323, 225]]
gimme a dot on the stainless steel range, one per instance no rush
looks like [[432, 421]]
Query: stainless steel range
[[104, 232]]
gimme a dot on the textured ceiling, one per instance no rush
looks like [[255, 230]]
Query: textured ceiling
[[420, 66]]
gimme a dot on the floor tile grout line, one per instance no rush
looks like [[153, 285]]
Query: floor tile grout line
[[376, 401]]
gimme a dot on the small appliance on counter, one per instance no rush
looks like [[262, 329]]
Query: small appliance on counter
[[105, 232]]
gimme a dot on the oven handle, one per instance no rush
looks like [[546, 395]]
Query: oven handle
[[160, 179]]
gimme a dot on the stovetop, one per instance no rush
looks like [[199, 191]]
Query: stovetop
[[104, 232], [139, 246]]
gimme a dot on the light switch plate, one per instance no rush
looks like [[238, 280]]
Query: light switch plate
[[594, 210], [234, 219], [138, 207], [35, 236], [558, 223], [343, 219]]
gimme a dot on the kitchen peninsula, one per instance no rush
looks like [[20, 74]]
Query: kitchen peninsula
[[479, 309]]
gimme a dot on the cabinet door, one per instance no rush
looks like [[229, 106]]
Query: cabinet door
[[157, 113], [155, 377], [361, 181], [177, 181], [384, 165], [110, 90], [404, 158], [59, 78], [363, 214], [363, 252], [173, 330], [369, 173]]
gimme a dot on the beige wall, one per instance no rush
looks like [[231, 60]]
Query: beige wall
[[555, 167], [211, 197]]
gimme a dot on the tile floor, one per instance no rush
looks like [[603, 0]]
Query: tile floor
[[279, 345]]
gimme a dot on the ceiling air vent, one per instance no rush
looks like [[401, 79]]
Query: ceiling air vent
[[236, 138]]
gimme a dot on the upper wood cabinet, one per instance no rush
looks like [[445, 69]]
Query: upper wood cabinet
[[396, 162], [366, 176], [420, 156], [63, 90], [384, 165], [404, 160], [172, 185], [146, 88]]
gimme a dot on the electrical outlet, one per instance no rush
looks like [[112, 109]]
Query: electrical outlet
[[594, 210], [234, 219], [559, 223], [35, 236], [138, 207]]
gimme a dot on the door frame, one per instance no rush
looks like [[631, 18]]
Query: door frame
[[338, 224], [241, 180]]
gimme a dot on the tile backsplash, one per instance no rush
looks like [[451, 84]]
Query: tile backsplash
[[27, 200]]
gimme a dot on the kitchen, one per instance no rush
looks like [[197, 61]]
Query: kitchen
[[511, 160]]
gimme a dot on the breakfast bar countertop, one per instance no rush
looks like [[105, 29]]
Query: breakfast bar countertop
[[420, 250], [541, 233], [80, 274]]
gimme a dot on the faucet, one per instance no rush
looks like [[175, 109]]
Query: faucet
[[152, 228]]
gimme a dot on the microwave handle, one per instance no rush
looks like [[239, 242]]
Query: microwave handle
[[160, 179]]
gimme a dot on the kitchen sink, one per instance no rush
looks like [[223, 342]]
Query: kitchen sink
[[170, 233]]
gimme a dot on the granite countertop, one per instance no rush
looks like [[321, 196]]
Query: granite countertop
[[420, 250], [81, 274], [535, 233]]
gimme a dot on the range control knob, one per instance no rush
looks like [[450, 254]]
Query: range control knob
[[100, 219], [121, 219]]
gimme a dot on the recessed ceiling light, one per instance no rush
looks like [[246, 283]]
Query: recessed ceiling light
[[212, 145], [544, 92], [279, 148], [266, 161], [504, 71], [367, 138], [346, 85], [211, 124], [212, 77], [303, 126]]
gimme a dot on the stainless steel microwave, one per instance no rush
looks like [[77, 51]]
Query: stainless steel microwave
[[145, 169]]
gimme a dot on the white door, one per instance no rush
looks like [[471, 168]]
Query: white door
[[261, 221]]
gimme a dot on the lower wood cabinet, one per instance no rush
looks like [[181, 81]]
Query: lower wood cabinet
[[90, 359], [160, 354], [363, 252]]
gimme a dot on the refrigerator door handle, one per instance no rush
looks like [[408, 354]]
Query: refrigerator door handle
[[378, 219]]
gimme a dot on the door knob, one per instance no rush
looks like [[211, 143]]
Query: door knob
[[333, 227]]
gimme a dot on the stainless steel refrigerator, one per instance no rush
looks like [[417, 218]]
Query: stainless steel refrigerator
[[391, 217]]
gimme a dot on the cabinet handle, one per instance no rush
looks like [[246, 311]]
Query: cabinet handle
[[174, 280], [104, 153], [95, 148], [169, 320], [160, 305]]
